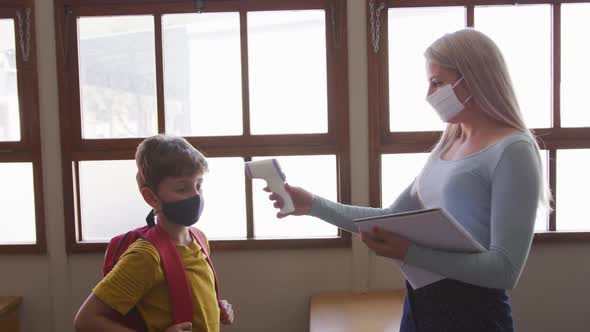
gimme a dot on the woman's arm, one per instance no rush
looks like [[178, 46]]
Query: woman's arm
[[516, 187], [342, 215]]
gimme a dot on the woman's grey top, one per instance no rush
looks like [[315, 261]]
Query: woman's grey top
[[493, 193]]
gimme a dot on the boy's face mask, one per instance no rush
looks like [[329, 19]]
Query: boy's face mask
[[185, 212]]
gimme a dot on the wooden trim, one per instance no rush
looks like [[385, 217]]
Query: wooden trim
[[73, 69], [21, 78], [427, 3], [274, 5], [254, 141], [74, 148], [65, 45], [213, 152], [383, 141], [77, 200], [557, 138], [9, 5], [272, 244], [404, 138], [159, 8], [378, 104], [448, 3], [13, 146], [41, 245], [16, 157], [470, 16], [286, 4], [103, 155], [406, 148], [338, 102], [70, 204], [12, 249], [556, 65], [34, 133], [9, 305], [160, 96], [249, 206], [6, 13], [555, 237], [552, 165], [331, 64], [76, 247], [95, 3], [28, 149], [246, 244], [344, 242], [245, 72], [146, 7]]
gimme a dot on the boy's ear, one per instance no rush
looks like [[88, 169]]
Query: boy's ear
[[150, 197]]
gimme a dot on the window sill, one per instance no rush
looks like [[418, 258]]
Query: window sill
[[26, 249], [222, 245], [550, 237]]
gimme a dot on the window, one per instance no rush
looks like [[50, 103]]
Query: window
[[20, 146], [548, 79], [241, 81]]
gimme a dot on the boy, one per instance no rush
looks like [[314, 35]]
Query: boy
[[170, 176]]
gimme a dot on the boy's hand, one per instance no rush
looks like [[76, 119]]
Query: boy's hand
[[186, 326], [227, 312]]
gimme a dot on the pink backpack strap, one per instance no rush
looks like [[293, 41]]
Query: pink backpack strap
[[197, 236], [180, 291]]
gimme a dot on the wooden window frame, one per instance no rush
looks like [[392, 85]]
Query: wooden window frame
[[334, 142], [28, 149], [383, 141]]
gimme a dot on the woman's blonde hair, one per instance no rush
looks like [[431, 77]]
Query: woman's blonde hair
[[476, 58]]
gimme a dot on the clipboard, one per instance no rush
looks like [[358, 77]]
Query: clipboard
[[432, 228]]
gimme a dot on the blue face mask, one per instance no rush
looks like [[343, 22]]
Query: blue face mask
[[185, 212]]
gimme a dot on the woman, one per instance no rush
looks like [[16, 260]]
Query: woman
[[485, 171]]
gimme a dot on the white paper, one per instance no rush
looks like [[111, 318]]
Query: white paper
[[433, 228]]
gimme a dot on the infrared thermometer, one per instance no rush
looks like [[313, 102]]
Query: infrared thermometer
[[270, 170]]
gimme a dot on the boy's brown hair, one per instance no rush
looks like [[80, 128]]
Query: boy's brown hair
[[160, 156]]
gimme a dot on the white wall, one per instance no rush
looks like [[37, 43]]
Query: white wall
[[270, 290]]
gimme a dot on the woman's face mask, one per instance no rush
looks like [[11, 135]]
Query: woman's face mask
[[445, 102]]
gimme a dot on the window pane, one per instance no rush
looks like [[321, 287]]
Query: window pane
[[397, 173], [110, 201], [117, 76], [202, 74], [529, 65], [314, 173], [287, 67], [571, 198], [9, 110], [575, 52], [224, 215], [17, 195], [411, 31]]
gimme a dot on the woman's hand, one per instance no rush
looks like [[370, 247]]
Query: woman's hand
[[301, 198], [386, 244], [227, 312], [181, 327]]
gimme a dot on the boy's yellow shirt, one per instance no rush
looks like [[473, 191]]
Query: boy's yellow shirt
[[137, 280]]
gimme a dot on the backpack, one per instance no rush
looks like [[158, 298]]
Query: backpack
[[178, 286]]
